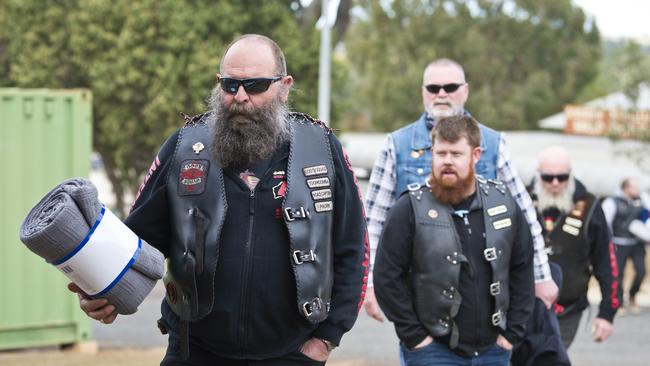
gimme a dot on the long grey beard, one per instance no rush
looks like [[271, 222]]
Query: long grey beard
[[245, 136], [563, 201]]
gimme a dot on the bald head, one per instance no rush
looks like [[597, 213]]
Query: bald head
[[554, 160], [258, 46], [554, 168]]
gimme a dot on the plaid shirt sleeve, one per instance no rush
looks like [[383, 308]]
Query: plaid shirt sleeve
[[380, 197], [508, 173]]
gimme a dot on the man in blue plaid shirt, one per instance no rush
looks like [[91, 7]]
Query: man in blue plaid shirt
[[406, 159]]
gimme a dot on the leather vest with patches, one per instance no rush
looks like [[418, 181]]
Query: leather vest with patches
[[198, 207], [437, 255], [626, 212], [568, 245]]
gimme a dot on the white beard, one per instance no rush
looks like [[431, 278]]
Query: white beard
[[562, 201], [437, 114]]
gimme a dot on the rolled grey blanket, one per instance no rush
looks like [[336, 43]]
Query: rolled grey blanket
[[57, 224]]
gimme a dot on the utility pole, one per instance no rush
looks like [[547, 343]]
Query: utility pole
[[324, 82]]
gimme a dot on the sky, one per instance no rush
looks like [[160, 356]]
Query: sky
[[619, 18]]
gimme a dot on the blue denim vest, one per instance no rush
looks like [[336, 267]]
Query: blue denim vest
[[413, 153]]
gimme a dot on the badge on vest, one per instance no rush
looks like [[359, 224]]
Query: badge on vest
[[198, 147], [433, 213], [314, 170], [321, 194], [191, 180], [573, 222], [323, 206], [496, 210], [415, 154], [570, 229], [318, 182], [502, 224]]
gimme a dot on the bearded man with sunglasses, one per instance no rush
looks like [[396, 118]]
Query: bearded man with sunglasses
[[406, 159], [578, 239], [261, 221], [454, 267]]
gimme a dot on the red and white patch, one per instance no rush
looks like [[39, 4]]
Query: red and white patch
[[280, 190], [191, 180]]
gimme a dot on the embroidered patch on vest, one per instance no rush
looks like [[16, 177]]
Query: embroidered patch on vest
[[321, 194], [323, 206], [570, 229], [573, 222], [192, 177], [501, 224], [249, 178], [318, 182], [280, 190], [314, 170], [493, 211]]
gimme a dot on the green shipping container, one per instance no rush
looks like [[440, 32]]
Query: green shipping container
[[45, 138]]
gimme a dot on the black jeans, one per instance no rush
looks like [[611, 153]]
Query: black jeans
[[637, 253], [199, 356]]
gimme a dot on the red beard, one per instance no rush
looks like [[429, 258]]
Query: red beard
[[451, 190]]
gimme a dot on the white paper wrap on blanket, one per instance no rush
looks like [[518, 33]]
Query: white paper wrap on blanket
[[103, 257], [640, 229], [71, 229]]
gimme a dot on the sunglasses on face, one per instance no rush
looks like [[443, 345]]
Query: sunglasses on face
[[448, 88], [549, 178], [251, 86]]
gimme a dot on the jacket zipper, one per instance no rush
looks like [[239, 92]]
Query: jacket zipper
[[245, 295]]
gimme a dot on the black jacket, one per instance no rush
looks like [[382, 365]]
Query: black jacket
[[255, 314], [476, 333], [601, 257]]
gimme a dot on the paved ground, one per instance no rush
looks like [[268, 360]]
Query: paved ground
[[374, 343]]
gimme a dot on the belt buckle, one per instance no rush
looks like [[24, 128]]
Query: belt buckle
[[495, 288], [300, 258], [293, 214], [490, 254], [496, 318], [309, 306]]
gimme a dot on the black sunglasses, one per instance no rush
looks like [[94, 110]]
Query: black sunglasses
[[548, 178], [448, 88], [251, 86]]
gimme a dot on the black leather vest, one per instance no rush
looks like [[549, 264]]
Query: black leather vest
[[626, 212], [437, 255], [568, 246], [198, 207]]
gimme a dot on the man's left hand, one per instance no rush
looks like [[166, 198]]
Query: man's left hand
[[547, 291], [315, 349], [503, 343], [601, 329]]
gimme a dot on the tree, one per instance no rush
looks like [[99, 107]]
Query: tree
[[523, 59], [624, 67], [145, 61]]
